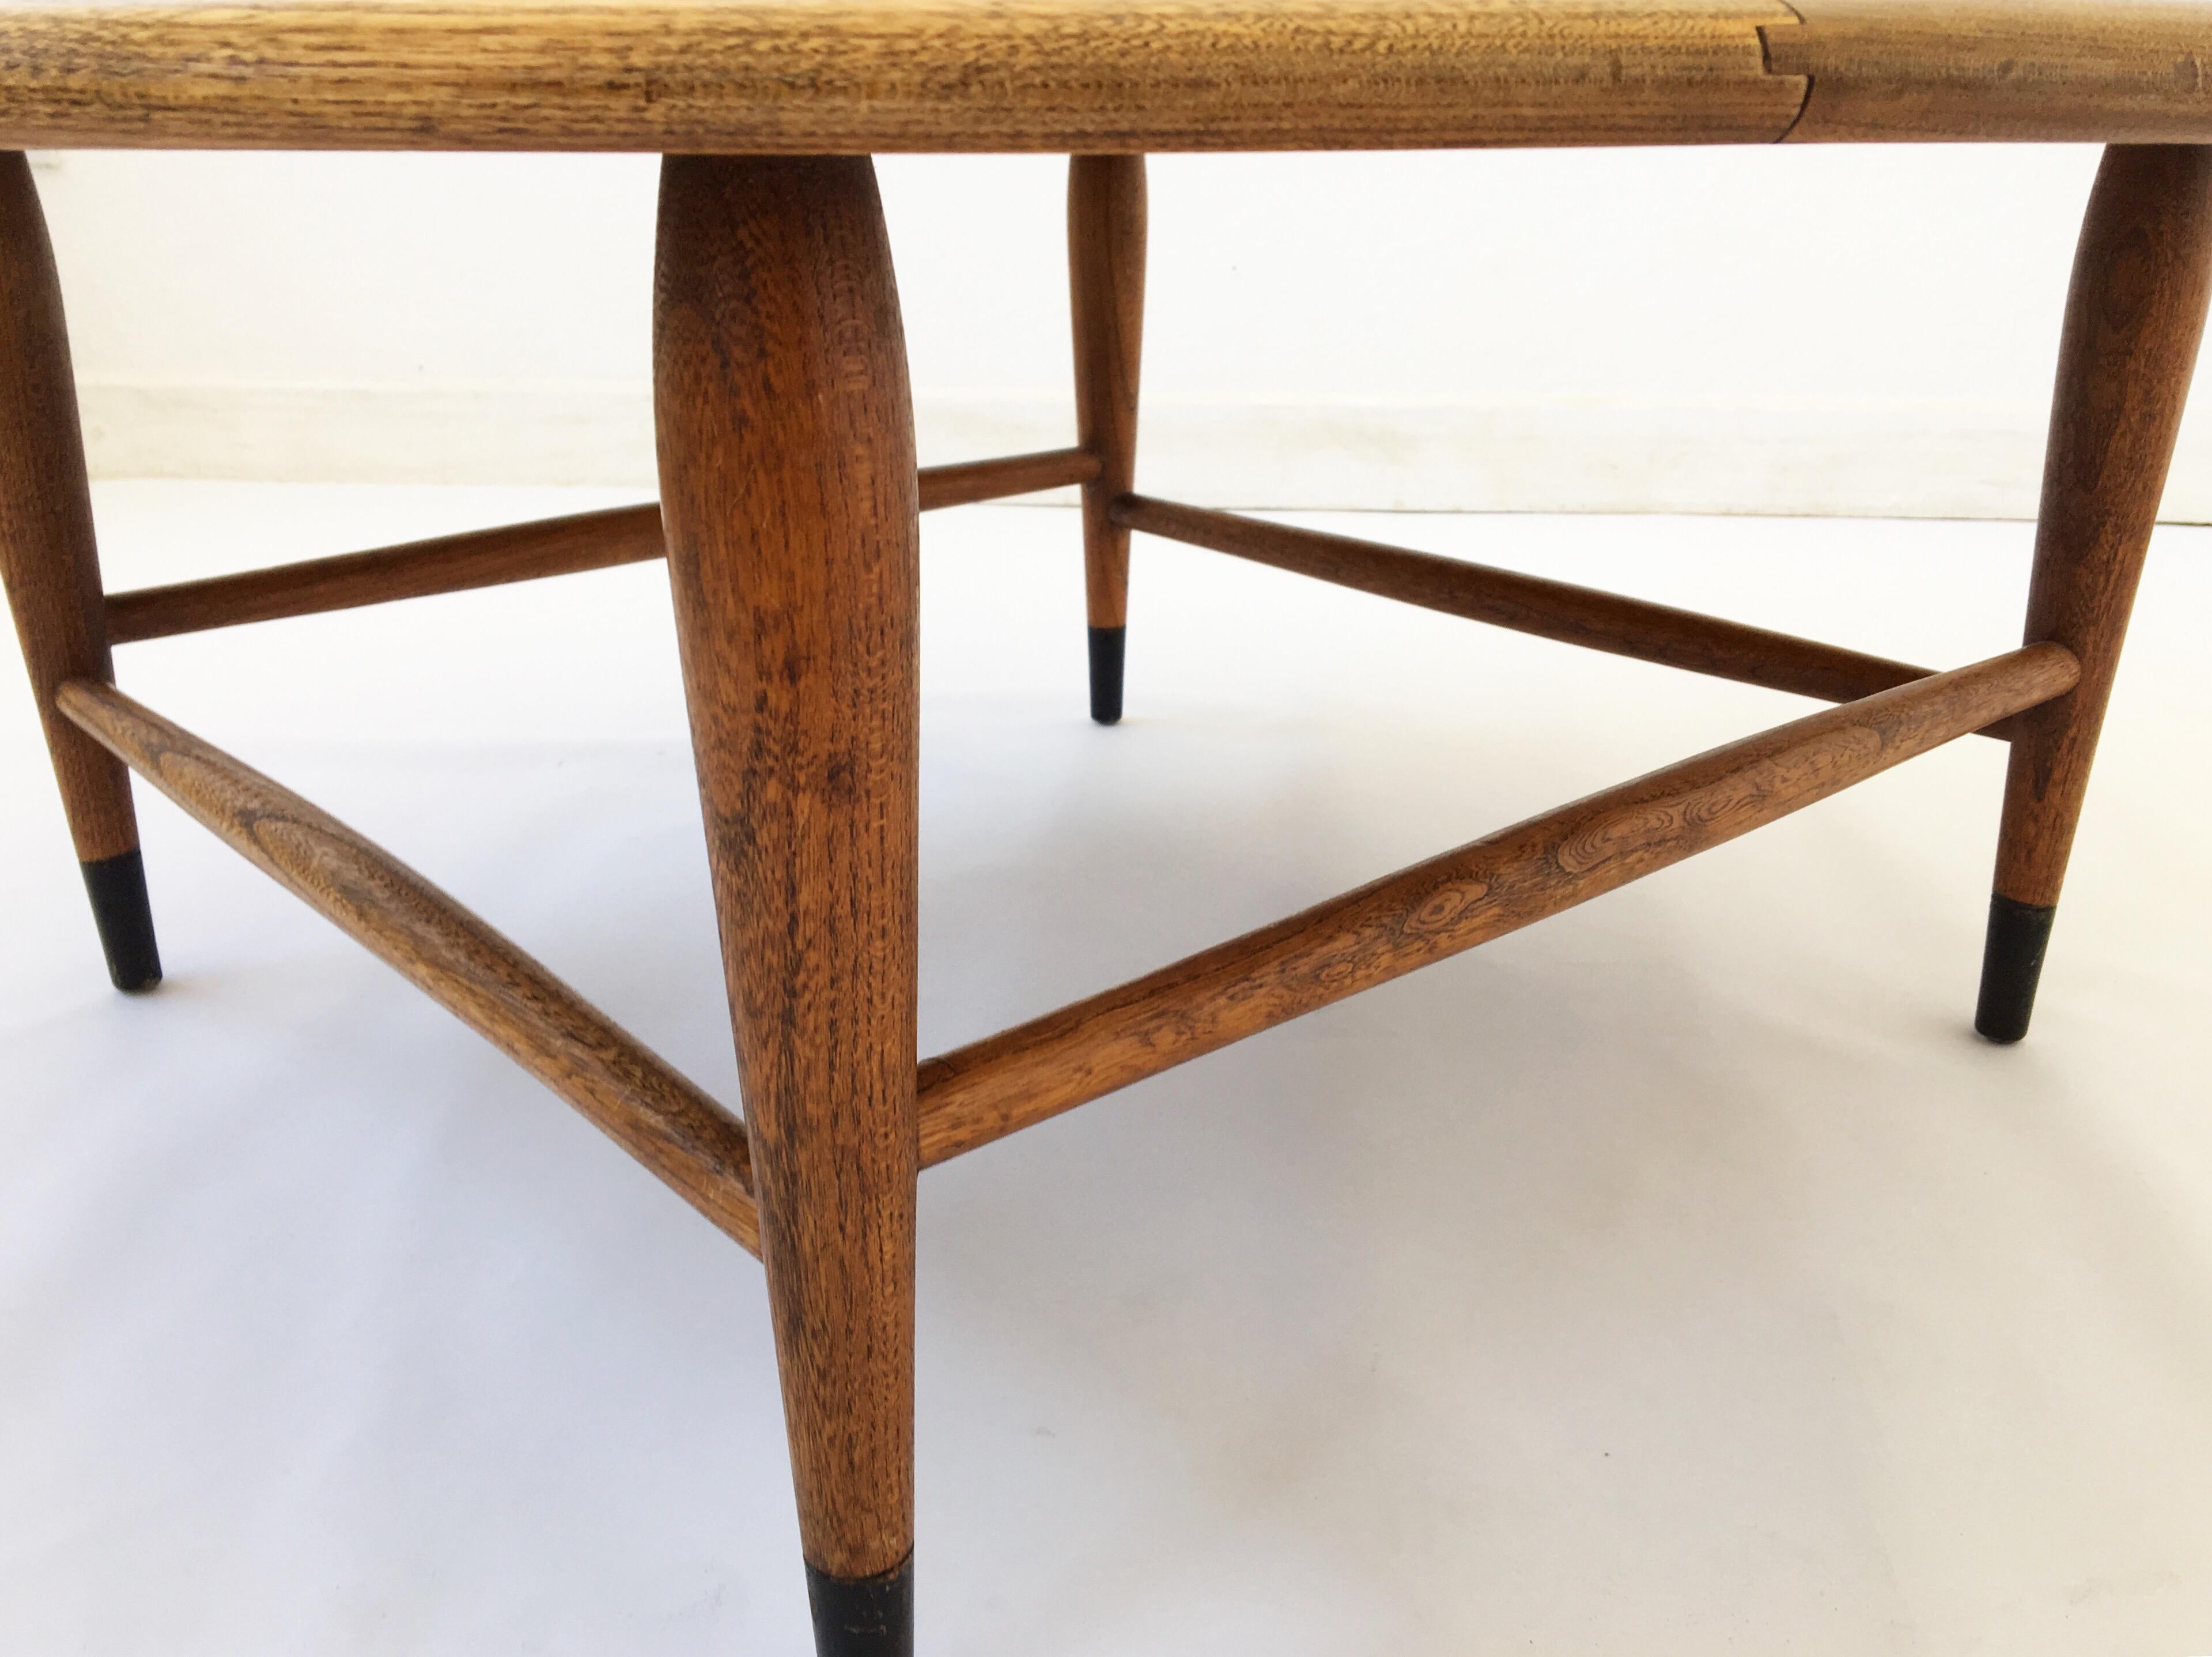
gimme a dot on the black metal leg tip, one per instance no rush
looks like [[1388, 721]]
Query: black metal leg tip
[[863, 1617], [117, 887], [2012, 964], [1108, 650]]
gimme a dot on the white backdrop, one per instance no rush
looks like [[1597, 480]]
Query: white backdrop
[[1807, 330], [1678, 1277]]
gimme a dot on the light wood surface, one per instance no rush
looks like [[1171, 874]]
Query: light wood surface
[[48, 561], [788, 481], [1448, 903], [857, 77], [2080, 70], [1531, 604], [695, 1146], [854, 76], [1106, 284], [492, 558], [2134, 318]]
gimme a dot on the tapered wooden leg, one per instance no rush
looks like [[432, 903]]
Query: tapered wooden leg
[[788, 480], [51, 571], [1106, 279], [2133, 323]]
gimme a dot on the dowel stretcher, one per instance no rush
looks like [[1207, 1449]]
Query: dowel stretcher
[[1451, 902], [980, 1093], [683, 1136], [513, 552], [1556, 609], [450, 563], [969, 482]]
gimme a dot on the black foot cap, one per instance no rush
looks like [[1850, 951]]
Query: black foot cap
[[2012, 963], [1107, 650], [117, 887], [863, 1617]]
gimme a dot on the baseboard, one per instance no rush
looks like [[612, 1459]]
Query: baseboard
[[1901, 459]]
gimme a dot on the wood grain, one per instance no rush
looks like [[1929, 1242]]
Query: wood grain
[[1452, 902], [2065, 70], [863, 76], [859, 77], [691, 1143], [788, 479], [966, 482], [48, 561], [450, 563], [2134, 318], [513, 552], [1531, 604], [1106, 229]]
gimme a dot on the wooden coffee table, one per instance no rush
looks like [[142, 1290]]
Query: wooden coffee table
[[790, 496]]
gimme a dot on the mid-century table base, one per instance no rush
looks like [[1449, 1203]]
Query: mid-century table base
[[790, 498]]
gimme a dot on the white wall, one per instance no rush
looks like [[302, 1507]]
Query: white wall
[[1815, 330]]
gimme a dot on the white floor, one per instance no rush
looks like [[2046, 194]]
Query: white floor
[[1679, 1276]]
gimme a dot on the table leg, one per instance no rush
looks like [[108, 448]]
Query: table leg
[[1106, 282], [2133, 322], [51, 567], [787, 482]]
